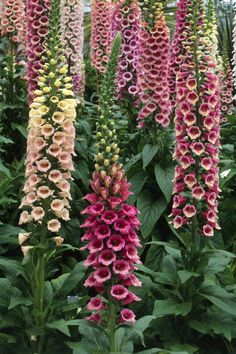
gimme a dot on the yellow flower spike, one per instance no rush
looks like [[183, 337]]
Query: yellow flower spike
[[67, 79], [106, 163], [35, 105], [71, 102], [43, 110], [36, 122], [46, 89], [99, 134], [38, 92], [54, 99], [103, 141], [41, 71], [40, 99], [66, 92], [68, 86], [114, 146], [115, 158], [52, 61], [63, 105], [51, 75], [41, 78], [49, 52], [57, 83], [108, 149], [58, 117], [63, 70], [97, 167], [100, 156]]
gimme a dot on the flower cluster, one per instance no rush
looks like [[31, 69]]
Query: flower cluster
[[50, 146], [111, 224], [126, 20], [152, 70], [12, 20], [226, 88], [100, 42], [72, 39], [112, 239], [197, 119], [37, 30], [177, 49]]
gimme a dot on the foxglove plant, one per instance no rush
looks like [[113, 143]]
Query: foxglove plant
[[111, 224], [152, 67], [196, 182], [72, 16], [12, 20], [101, 38], [50, 147], [126, 20], [37, 30]]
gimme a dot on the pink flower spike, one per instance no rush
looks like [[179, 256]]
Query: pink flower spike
[[119, 292]]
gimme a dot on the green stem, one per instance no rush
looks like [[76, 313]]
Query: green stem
[[112, 326]]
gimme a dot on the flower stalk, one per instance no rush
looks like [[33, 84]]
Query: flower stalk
[[111, 224]]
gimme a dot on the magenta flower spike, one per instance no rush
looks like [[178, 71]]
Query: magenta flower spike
[[72, 16], [12, 20], [37, 30], [101, 38], [126, 20], [111, 224], [152, 69], [197, 119]]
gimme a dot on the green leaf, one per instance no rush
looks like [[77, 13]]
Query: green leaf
[[188, 348], [132, 161], [164, 178], [149, 151], [67, 282], [17, 298], [170, 307], [160, 351], [137, 182], [8, 233], [185, 275], [5, 170], [61, 326], [151, 210], [82, 172], [7, 338], [228, 306], [217, 327]]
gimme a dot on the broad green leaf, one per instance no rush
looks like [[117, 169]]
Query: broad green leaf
[[160, 351], [61, 326], [82, 172], [186, 347], [68, 282], [17, 298], [185, 275], [7, 338], [228, 306], [149, 151], [132, 161], [217, 327], [5, 170], [8, 233], [137, 182], [151, 210], [164, 178], [170, 307]]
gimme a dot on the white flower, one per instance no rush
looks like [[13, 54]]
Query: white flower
[[224, 174]]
